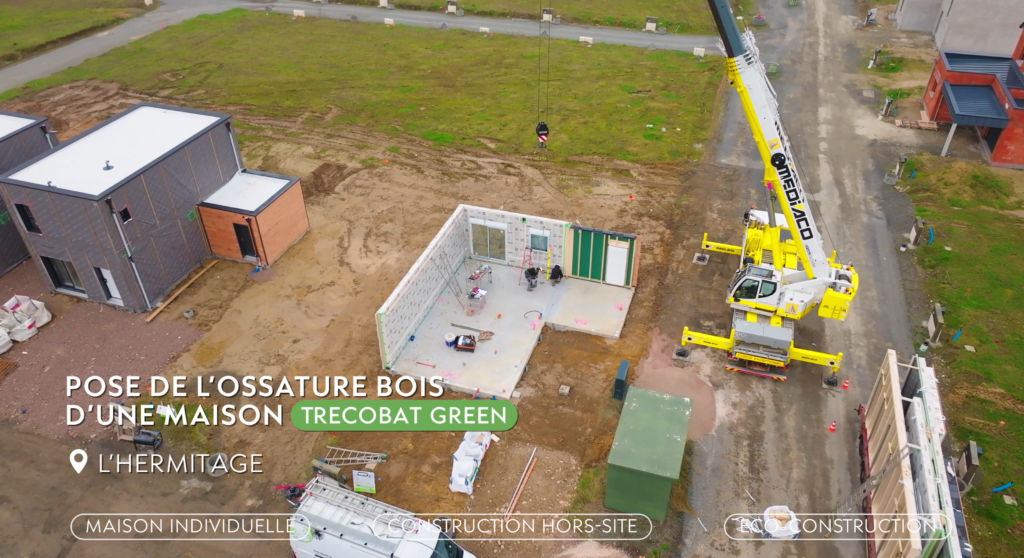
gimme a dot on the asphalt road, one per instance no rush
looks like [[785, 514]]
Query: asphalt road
[[775, 448], [176, 11]]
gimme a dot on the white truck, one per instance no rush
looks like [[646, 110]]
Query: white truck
[[331, 521]]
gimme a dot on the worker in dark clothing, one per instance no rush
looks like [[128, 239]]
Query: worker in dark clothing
[[556, 274], [531, 278]]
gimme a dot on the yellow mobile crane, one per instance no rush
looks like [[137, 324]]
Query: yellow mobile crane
[[784, 272]]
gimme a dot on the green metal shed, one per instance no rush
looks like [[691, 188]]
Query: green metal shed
[[647, 453]]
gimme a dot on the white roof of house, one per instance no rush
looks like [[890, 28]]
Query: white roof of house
[[247, 191], [10, 124], [130, 142]]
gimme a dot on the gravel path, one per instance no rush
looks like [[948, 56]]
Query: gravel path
[[83, 339]]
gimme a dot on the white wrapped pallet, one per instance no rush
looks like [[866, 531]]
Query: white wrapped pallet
[[466, 461]]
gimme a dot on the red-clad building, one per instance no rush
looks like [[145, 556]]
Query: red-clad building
[[983, 91]]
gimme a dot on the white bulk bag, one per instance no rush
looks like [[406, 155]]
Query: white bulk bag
[[24, 331], [781, 523], [19, 304], [466, 461]]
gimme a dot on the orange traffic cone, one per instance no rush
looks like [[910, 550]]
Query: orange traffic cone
[[846, 384], [832, 427]]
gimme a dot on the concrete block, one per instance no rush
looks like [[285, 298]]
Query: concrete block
[[563, 390]]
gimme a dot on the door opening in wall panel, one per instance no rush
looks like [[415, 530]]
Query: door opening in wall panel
[[488, 240], [106, 280], [617, 262], [245, 244]]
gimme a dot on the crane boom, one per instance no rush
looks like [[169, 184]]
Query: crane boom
[[747, 74], [784, 272]]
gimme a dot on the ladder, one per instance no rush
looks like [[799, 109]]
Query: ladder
[[527, 262], [351, 505], [341, 457]]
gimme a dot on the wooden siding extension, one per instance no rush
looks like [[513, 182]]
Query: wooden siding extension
[[220, 232], [275, 229], [282, 223]]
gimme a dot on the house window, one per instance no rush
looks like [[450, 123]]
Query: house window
[[539, 240], [488, 239], [63, 274], [27, 219], [125, 214]]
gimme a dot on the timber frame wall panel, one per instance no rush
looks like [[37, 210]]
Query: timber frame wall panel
[[517, 236], [886, 429], [415, 294]]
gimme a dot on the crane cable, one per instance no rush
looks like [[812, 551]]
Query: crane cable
[[547, 61], [540, 43]]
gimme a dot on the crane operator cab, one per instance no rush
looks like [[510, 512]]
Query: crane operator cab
[[765, 289], [757, 285]]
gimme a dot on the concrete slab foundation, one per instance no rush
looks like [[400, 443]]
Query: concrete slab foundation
[[495, 367]]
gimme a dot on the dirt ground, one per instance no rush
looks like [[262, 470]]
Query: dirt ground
[[82, 339], [312, 313]]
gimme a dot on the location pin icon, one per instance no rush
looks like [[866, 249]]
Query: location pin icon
[[78, 460]]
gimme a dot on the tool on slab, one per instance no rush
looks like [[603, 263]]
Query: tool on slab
[[484, 334]]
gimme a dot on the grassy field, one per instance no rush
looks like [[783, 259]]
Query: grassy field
[[31, 26], [677, 16], [980, 281], [449, 87]]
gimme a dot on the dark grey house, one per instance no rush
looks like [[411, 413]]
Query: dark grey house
[[22, 137], [111, 215]]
